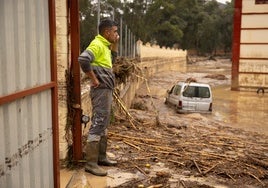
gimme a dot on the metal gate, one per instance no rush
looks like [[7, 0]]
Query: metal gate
[[28, 95]]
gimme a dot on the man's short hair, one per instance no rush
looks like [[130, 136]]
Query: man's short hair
[[106, 23]]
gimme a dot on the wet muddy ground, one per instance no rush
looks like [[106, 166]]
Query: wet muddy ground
[[228, 148]]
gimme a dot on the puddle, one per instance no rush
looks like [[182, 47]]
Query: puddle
[[82, 179]]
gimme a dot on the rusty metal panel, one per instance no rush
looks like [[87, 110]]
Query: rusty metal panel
[[26, 141]]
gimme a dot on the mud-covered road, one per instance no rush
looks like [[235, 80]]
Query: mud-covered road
[[228, 148], [161, 148]]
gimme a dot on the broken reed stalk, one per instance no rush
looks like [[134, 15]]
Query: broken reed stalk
[[182, 183], [168, 153], [155, 146], [257, 162], [199, 170], [138, 148], [230, 176], [252, 175], [142, 171], [208, 170], [214, 155], [156, 186], [176, 162], [125, 110], [132, 138]]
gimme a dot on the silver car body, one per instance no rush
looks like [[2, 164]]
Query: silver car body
[[190, 97]]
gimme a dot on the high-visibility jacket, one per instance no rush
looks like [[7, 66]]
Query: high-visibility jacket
[[100, 48]]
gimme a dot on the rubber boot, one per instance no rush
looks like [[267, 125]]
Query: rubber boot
[[102, 156], [92, 154]]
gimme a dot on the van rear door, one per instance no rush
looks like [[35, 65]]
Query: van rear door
[[188, 99], [203, 98], [196, 98]]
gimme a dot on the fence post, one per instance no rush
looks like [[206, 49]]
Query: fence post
[[121, 37]]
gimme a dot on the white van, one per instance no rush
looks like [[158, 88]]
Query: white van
[[190, 97]]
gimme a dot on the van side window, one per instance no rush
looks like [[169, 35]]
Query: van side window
[[172, 90], [177, 90], [189, 91], [195, 91], [203, 92]]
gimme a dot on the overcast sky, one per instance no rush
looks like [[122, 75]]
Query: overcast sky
[[223, 1]]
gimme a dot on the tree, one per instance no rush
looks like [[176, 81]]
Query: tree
[[191, 24], [164, 26], [88, 22]]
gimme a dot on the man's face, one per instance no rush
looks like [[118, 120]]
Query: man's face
[[112, 34]]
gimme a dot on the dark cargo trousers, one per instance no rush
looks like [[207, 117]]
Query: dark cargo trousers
[[101, 99]]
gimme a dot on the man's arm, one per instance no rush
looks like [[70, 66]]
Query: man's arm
[[85, 60]]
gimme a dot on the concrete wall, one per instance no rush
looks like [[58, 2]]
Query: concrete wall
[[62, 66], [153, 60], [150, 67], [253, 63]]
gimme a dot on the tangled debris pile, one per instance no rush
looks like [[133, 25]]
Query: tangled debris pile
[[123, 68], [200, 148]]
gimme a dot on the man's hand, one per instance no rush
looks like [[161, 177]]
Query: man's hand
[[94, 81], [114, 46]]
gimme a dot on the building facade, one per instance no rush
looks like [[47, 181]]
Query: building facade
[[250, 45]]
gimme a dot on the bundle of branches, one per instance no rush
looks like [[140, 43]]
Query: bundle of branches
[[123, 68]]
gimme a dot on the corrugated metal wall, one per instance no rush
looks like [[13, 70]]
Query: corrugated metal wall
[[26, 143]]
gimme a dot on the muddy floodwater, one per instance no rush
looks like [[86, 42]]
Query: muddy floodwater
[[239, 109], [247, 110]]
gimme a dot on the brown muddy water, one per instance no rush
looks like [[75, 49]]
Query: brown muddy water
[[246, 110], [238, 109]]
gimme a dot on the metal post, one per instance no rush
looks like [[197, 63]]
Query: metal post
[[121, 37], [134, 46], [75, 69], [126, 48], [129, 44], [98, 16]]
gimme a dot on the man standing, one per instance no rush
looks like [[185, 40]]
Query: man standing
[[96, 61]]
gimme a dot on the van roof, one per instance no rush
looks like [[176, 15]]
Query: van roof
[[193, 84]]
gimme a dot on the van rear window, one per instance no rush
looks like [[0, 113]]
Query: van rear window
[[196, 91]]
